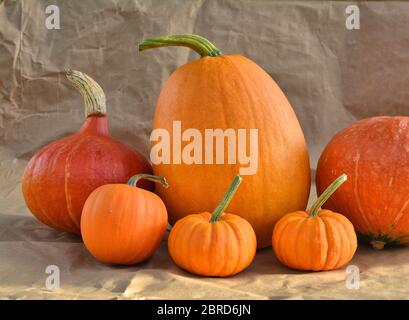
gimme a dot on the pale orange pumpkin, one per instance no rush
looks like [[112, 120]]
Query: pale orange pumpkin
[[124, 224], [315, 240], [229, 91], [214, 244]]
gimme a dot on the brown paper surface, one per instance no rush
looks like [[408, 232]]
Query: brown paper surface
[[332, 77]]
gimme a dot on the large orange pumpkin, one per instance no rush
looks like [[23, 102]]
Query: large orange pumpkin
[[60, 176], [123, 224], [374, 153], [229, 91]]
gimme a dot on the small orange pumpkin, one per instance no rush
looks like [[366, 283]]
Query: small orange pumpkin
[[315, 240], [124, 224], [218, 244]]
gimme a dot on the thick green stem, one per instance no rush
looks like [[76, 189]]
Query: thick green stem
[[197, 43], [326, 194], [94, 96], [134, 180], [217, 213]]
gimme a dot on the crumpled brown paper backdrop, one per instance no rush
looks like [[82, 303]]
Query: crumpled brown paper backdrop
[[332, 76]]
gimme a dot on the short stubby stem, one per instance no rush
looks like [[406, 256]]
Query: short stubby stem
[[195, 42], [217, 213], [326, 194], [378, 245], [134, 180]]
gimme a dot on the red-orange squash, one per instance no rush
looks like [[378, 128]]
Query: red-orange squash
[[123, 224], [60, 176], [229, 91], [315, 240], [214, 244], [374, 153]]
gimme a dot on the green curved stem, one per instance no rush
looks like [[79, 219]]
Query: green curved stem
[[195, 42], [94, 96], [326, 194], [217, 213], [134, 180]]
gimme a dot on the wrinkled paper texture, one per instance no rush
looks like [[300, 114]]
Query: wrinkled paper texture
[[332, 76]]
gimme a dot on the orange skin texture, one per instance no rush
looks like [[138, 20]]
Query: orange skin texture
[[374, 153], [220, 249], [324, 242], [122, 224], [231, 91], [60, 176]]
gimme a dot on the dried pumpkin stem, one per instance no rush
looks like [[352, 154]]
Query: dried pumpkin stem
[[195, 42], [94, 96], [134, 180], [326, 194], [217, 213]]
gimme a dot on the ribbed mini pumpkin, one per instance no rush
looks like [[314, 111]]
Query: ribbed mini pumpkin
[[124, 224], [315, 240], [60, 176], [214, 244], [230, 92]]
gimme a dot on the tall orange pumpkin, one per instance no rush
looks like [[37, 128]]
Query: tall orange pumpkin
[[229, 91], [60, 176], [374, 153]]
